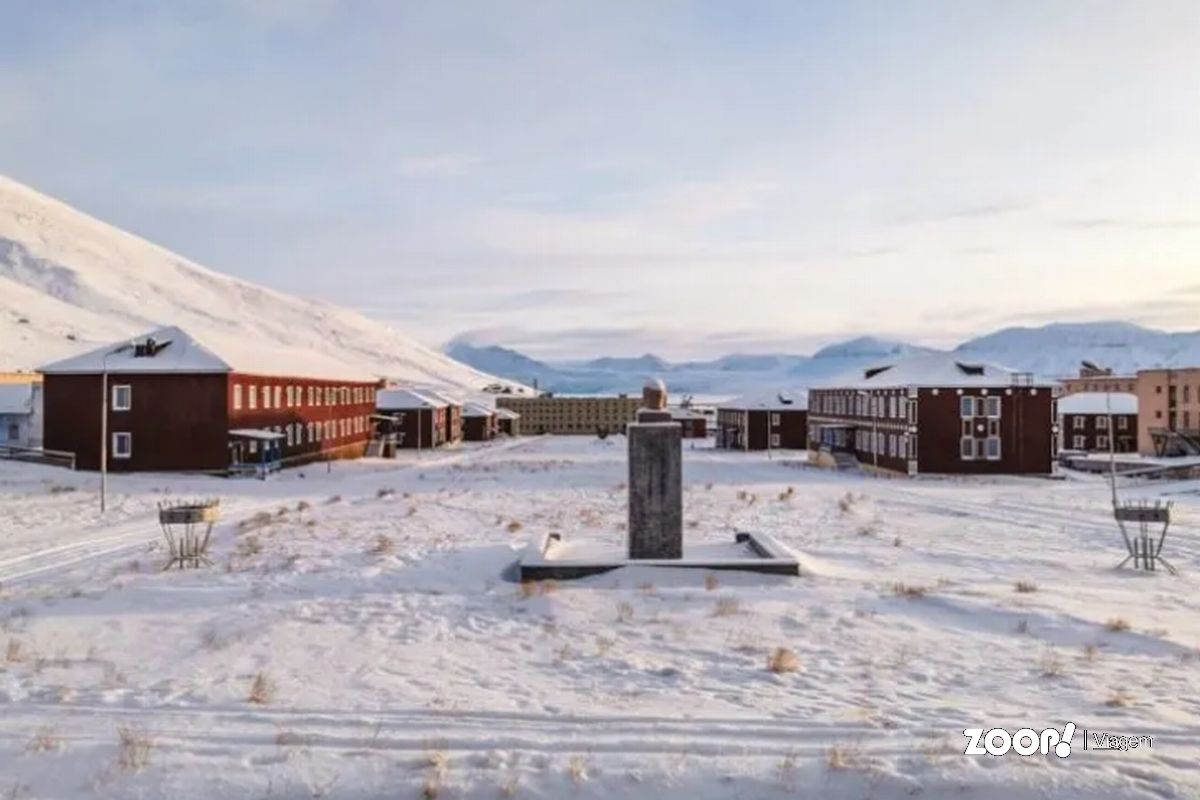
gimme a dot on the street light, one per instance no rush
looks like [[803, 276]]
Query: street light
[[104, 420]]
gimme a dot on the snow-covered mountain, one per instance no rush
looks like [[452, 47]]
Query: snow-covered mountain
[[1051, 351], [69, 282], [1057, 349]]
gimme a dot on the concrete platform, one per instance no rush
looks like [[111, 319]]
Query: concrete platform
[[548, 558]]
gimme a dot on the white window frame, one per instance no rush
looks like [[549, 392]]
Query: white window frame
[[1122, 423], [963, 447], [1101, 422], [987, 448], [966, 406], [237, 397], [992, 406], [117, 450], [1078, 423], [252, 396], [278, 396], [1101, 442], [117, 390], [774, 420], [1078, 442], [266, 396], [775, 440]]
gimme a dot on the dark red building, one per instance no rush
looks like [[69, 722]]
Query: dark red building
[[777, 421], [178, 404], [412, 419], [936, 414], [693, 423], [1097, 422], [478, 423]]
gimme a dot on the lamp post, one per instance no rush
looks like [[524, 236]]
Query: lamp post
[[104, 422]]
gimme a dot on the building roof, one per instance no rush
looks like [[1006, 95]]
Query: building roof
[[932, 371], [177, 351], [476, 410], [440, 397], [506, 413], [16, 398], [1098, 403], [395, 398], [684, 413], [786, 400]]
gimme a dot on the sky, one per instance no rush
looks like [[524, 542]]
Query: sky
[[619, 177]]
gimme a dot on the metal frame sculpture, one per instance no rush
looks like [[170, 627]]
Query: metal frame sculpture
[[187, 527], [1144, 550]]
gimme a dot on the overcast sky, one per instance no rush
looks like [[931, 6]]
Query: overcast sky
[[685, 178]]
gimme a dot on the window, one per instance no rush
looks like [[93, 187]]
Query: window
[[122, 445], [966, 407], [775, 420], [902, 407], [993, 427], [266, 393], [1079, 442], [237, 397], [1102, 442], [991, 448], [252, 394], [279, 397], [1078, 422], [309, 426], [993, 406], [892, 441], [774, 440], [967, 448], [291, 397], [289, 434], [1102, 423], [1122, 423], [122, 397]]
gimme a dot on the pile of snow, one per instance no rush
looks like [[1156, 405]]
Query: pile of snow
[[70, 283]]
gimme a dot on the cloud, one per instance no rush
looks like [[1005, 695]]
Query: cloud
[[438, 166]]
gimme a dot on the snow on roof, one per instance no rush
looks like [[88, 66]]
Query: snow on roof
[[684, 413], [175, 350], [506, 413], [255, 433], [443, 398], [476, 410], [394, 398], [934, 370], [16, 398], [784, 400], [1098, 403]]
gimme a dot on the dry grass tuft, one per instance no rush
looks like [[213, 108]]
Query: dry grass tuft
[[624, 612], [262, 689], [337, 498], [604, 644], [910, 592], [1118, 699], [1050, 665], [44, 740], [1025, 587], [1023, 626], [303, 505], [710, 582], [513, 526], [727, 607], [844, 756], [15, 652], [1117, 625], [1090, 651], [382, 493], [61, 488], [577, 768], [896, 542], [249, 546], [133, 748], [382, 546], [784, 496], [846, 502], [782, 660]]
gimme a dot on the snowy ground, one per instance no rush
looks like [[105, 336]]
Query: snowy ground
[[367, 611]]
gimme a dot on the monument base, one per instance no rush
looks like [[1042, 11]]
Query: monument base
[[546, 558]]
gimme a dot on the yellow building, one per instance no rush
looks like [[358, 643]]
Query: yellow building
[[572, 414]]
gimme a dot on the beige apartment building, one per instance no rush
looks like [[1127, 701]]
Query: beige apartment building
[[1094, 378], [567, 414], [1169, 411]]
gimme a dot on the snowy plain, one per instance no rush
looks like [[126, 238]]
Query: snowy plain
[[358, 636]]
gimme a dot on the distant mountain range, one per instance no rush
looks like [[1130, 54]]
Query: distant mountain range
[[1050, 350]]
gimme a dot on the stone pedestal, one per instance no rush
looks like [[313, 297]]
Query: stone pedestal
[[655, 490]]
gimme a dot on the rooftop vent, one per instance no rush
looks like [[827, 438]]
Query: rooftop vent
[[149, 348], [970, 369], [784, 400], [873, 371]]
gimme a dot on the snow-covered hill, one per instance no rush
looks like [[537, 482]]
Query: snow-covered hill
[[1057, 349], [69, 282]]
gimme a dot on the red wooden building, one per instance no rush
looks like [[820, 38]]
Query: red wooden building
[[936, 414], [693, 423], [175, 403], [769, 422], [479, 423], [1100, 422], [413, 419]]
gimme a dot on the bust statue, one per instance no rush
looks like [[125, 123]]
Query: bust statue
[[654, 395]]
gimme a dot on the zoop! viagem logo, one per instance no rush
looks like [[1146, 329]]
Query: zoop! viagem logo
[[1025, 742]]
